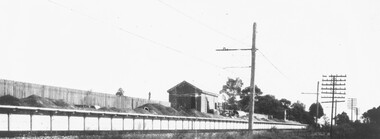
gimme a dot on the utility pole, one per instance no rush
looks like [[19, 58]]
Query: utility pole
[[316, 116], [253, 93], [334, 80], [252, 85], [351, 104], [336, 108], [357, 112]]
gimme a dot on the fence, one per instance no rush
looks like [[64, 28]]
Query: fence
[[72, 96], [17, 118]]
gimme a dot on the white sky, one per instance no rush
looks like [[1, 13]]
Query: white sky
[[151, 45]]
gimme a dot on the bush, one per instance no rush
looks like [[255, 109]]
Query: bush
[[343, 131]]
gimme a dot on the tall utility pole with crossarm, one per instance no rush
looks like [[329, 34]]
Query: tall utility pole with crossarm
[[317, 103], [252, 85], [331, 88]]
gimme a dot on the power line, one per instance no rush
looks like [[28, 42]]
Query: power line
[[168, 47], [201, 23], [140, 36], [266, 58], [219, 32]]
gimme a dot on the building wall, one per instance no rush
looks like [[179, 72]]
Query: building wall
[[212, 100], [180, 97], [71, 96]]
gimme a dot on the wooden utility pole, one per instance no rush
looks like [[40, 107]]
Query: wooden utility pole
[[252, 85], [316, 116], [333, 81], [352, 109], [357, 112], [336, 108], [351, 104], [253, 93]]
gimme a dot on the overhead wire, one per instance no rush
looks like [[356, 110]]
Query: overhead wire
[[140, 36], [168, 47], [266, 58], [200, 22], [221, 33]]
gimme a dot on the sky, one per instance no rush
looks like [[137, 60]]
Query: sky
[[152, 45]]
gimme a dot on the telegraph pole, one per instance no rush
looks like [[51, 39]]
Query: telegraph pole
[[356, 112], [253, 93], [252, 85], [336, 108], [352, 106], [316, 116], [333, 81]]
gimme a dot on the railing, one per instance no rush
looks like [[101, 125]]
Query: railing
[[18, 118]]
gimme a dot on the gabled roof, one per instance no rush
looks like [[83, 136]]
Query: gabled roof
[[185, 82]]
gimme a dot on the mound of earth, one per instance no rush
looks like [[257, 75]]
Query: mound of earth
[[150, 108], [34, 101], [158, 109], [37, 101], [9, 100], [61, 103], [113, 109]]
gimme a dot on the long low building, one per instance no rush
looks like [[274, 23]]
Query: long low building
[[19, 118]]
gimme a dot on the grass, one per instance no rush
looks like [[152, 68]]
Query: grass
[[272, 134], [262, 134]]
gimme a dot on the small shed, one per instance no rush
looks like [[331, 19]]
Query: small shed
[[187, 96]]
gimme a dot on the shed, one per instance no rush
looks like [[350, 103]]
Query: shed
[[187, 96]]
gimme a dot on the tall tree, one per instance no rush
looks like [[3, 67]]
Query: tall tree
[[372, 115], [286, 103], [238, 99], [342, 118], [298, 113], [248, 90], [244, 102], [232, 89], [269, 105], [313, 110]]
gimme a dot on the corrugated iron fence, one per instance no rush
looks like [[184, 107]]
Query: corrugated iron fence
[[72, 96]]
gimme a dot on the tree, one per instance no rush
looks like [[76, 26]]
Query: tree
[[313, 110], [298, 113], [342, 118], [238, 98], [248, 90], [269, 105], [286, 103], [232, 89], [244, 102], [372, 115], [120, 92]]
